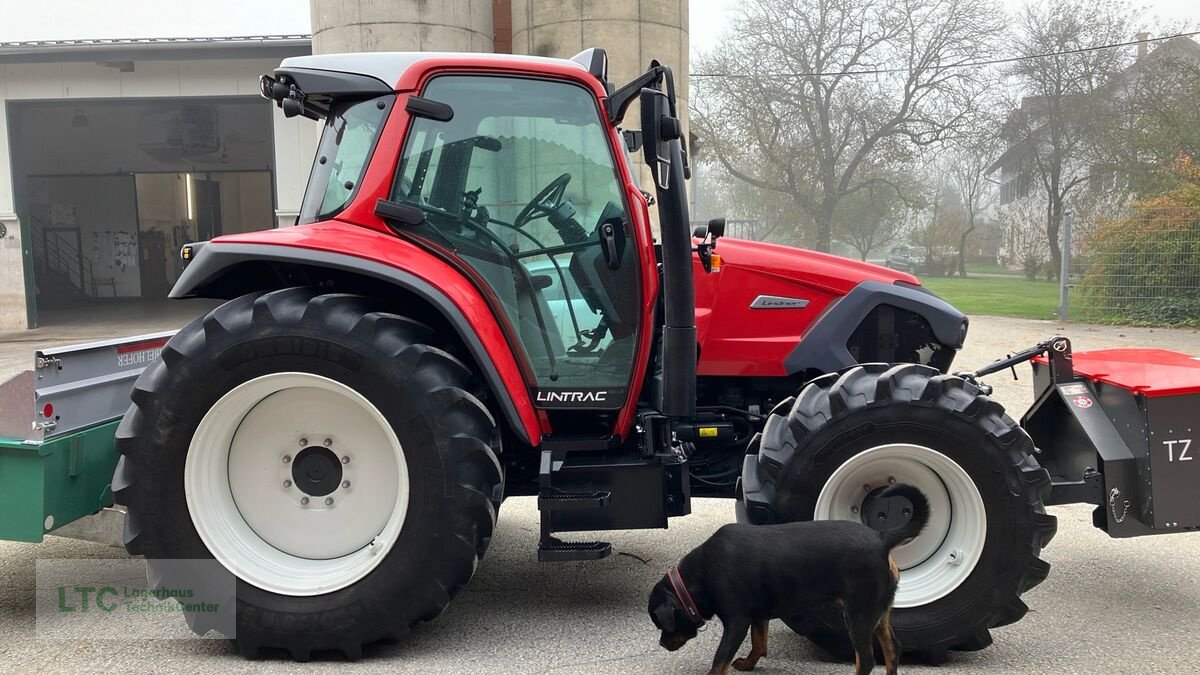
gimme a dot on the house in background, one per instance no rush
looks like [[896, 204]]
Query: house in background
[[1021, 195], [1016, 165]]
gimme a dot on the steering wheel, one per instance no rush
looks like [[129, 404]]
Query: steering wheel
[[542, 203]]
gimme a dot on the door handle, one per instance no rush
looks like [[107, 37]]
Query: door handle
[[608, 239]]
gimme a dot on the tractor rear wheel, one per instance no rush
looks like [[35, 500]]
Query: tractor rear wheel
[[825, 453], [331, 458]]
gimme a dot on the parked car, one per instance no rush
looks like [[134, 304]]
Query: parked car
[[905, 258]]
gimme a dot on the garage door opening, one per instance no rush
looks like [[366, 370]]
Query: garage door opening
[[112, 189]]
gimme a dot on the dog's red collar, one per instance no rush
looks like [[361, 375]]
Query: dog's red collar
[[685, 598]]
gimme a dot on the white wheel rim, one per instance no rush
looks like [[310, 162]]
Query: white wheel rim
[[258, 521], [947, 550]]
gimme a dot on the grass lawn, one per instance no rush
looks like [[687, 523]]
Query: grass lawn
[[989, 267], [1015, 297]]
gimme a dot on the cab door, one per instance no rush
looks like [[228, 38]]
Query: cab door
[[520, 188]]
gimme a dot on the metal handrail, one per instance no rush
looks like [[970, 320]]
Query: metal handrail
[[63, 257]]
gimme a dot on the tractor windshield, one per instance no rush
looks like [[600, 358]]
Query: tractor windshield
[[346, 145], [521, 183]]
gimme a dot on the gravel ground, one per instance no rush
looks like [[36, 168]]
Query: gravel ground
[[1109, 606]]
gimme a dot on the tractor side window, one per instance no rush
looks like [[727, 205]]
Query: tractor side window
[[346, 145], [520, 183]]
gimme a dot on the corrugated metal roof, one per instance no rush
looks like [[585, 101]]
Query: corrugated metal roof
[[152, 41], [152, 48]]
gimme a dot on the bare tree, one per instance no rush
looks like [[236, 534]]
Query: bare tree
[[1151, 119], [967, 170], [805, 94], [1057, 117], [773, 212], [937, 228], [875, 217]]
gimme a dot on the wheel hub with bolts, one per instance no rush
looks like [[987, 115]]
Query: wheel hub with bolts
[[290, 508], [316, 471], [884, 514], [945, 553], [318, 475]]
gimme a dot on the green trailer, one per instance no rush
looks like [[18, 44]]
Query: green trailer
[[57, 426]]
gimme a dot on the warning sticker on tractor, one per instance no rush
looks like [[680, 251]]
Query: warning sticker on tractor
[[1073, 389], [1082, 401]]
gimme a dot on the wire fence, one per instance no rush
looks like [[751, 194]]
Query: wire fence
[[1141, 267]]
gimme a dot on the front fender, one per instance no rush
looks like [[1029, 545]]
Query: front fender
[[823, 348], [350, 249]]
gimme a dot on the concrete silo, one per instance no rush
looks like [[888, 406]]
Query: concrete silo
[[401, 25]]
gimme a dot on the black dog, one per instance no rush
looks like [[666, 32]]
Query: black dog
[[747, 575]]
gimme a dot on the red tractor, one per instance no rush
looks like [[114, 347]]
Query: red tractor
[[472, 305]]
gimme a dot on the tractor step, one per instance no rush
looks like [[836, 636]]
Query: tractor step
[[565, 551], [573, 501]]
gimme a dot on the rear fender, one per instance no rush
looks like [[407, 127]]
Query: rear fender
[[229, 267]]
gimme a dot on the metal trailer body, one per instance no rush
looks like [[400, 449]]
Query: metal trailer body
[[57, 426], [1117, 428]]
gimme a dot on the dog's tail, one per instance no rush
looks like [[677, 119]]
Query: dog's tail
[[920, 515]]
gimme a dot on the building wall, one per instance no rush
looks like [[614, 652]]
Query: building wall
[[12, 267]]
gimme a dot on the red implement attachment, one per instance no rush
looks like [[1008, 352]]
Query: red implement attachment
[[1152, 372]]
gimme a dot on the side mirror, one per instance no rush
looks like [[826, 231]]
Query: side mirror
[[708, 236], [658, 130], [715, 227]]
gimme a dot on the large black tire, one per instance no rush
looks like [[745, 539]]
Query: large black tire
[[450, 439], [840, 415]]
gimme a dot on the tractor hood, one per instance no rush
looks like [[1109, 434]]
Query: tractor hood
[[753, 313], [832, 272]]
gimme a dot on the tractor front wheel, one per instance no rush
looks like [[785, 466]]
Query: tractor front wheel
[[825, 454], [327, 454]]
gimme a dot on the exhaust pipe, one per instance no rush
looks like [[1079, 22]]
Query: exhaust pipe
[[662, 145]]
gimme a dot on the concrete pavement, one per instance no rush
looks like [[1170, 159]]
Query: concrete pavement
[[1108, 607]]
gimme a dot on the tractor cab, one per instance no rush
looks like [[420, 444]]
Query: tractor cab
[[521, 187], [512, 172], [522, 183]]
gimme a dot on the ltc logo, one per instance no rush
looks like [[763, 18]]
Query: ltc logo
[[83, 594]]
